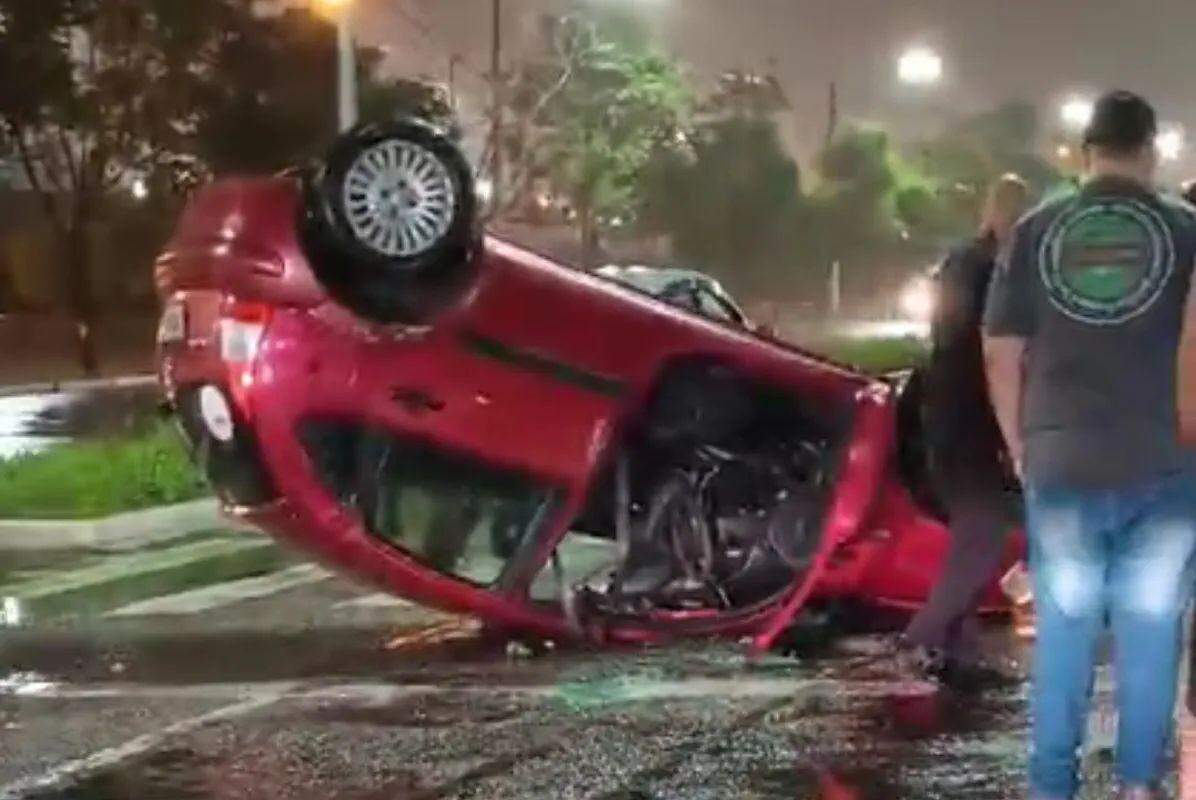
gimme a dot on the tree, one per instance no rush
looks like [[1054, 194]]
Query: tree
[[97, 96], [96, 93], [270, 96], [970, 155], [732, 205], [590, 115], [275, 76]]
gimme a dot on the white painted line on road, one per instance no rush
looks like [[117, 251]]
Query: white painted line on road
[[207, 598], [380, 600], [44, 690], [134, 747]]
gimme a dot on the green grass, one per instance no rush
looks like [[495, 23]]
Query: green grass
[[92, 479], [877, 355]]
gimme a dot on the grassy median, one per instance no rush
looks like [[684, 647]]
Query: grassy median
[[97, 478], [877, 355]]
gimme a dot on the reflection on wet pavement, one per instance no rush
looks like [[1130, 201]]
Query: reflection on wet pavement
[[690, 722], [32, 422], [166, 712]]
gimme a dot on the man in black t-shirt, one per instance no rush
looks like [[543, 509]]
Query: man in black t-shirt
[[1083, 325]]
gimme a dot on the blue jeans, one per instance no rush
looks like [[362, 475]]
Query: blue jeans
[[1122, 556]]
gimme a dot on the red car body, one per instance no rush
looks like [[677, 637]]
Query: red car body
[[537, 371]]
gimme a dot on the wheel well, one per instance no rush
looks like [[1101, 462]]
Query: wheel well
[[694, 402]]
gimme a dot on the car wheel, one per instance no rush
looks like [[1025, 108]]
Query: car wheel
[[389, 222]]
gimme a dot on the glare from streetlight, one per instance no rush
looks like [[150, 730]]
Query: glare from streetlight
[[1170, 142], [1076, 112], [139, 189], [331, 8], [920, 66], [918, 299]]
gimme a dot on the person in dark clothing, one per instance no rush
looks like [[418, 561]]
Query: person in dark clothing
[[966, 453]]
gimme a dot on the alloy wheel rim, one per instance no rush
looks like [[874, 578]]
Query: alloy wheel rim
[[398, 198]]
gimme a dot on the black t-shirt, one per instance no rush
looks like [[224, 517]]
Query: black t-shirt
[[961, 429], [1097, 282]]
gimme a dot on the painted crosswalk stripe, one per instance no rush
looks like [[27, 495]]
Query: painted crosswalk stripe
[[223, 594]]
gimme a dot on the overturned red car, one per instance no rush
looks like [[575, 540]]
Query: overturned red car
[[365, 375]]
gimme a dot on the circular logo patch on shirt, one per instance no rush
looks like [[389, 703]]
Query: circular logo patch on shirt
[[1106, 261]]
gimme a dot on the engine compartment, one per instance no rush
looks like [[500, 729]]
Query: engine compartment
[[716, 498]]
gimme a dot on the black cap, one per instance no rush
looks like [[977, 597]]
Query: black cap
[[1121, 121]]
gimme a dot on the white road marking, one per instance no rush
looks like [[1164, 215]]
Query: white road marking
[[118, 691], [111, 756], [223, 594], [380, 600], [583, 691]]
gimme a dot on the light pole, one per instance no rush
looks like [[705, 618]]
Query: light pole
[[341, 12]]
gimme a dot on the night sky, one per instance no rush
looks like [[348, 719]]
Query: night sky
[[994, 50]]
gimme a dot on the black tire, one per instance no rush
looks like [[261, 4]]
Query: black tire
[[409, 257]]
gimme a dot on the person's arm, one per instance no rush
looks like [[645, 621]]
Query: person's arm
[[1003, 360], [1009, 322], [1186, 377]]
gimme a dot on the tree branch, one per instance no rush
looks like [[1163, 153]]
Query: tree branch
[[72, 164], [49, 205]]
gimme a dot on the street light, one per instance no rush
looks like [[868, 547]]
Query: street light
[[920, 66], [1170, 142], [342, 12], [1076, 113]]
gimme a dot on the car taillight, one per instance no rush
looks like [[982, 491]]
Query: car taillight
[[242, 328], [242, 325]]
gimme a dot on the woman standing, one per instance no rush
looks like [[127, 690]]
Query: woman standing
[[967, 458]]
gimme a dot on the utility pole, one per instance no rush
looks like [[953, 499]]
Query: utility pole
[[454, 60], [346, 69], [497, 100], [835, 299], [832, 113]]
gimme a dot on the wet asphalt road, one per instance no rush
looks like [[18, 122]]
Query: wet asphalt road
[[316, 693]]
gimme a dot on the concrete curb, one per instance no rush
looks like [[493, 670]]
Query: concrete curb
[[116, 533]]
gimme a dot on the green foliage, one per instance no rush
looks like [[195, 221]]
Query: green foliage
[[603, 107], [276, 76], [970, 155], [732, 204], [269, 100], [878, 355], [90, 479]]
